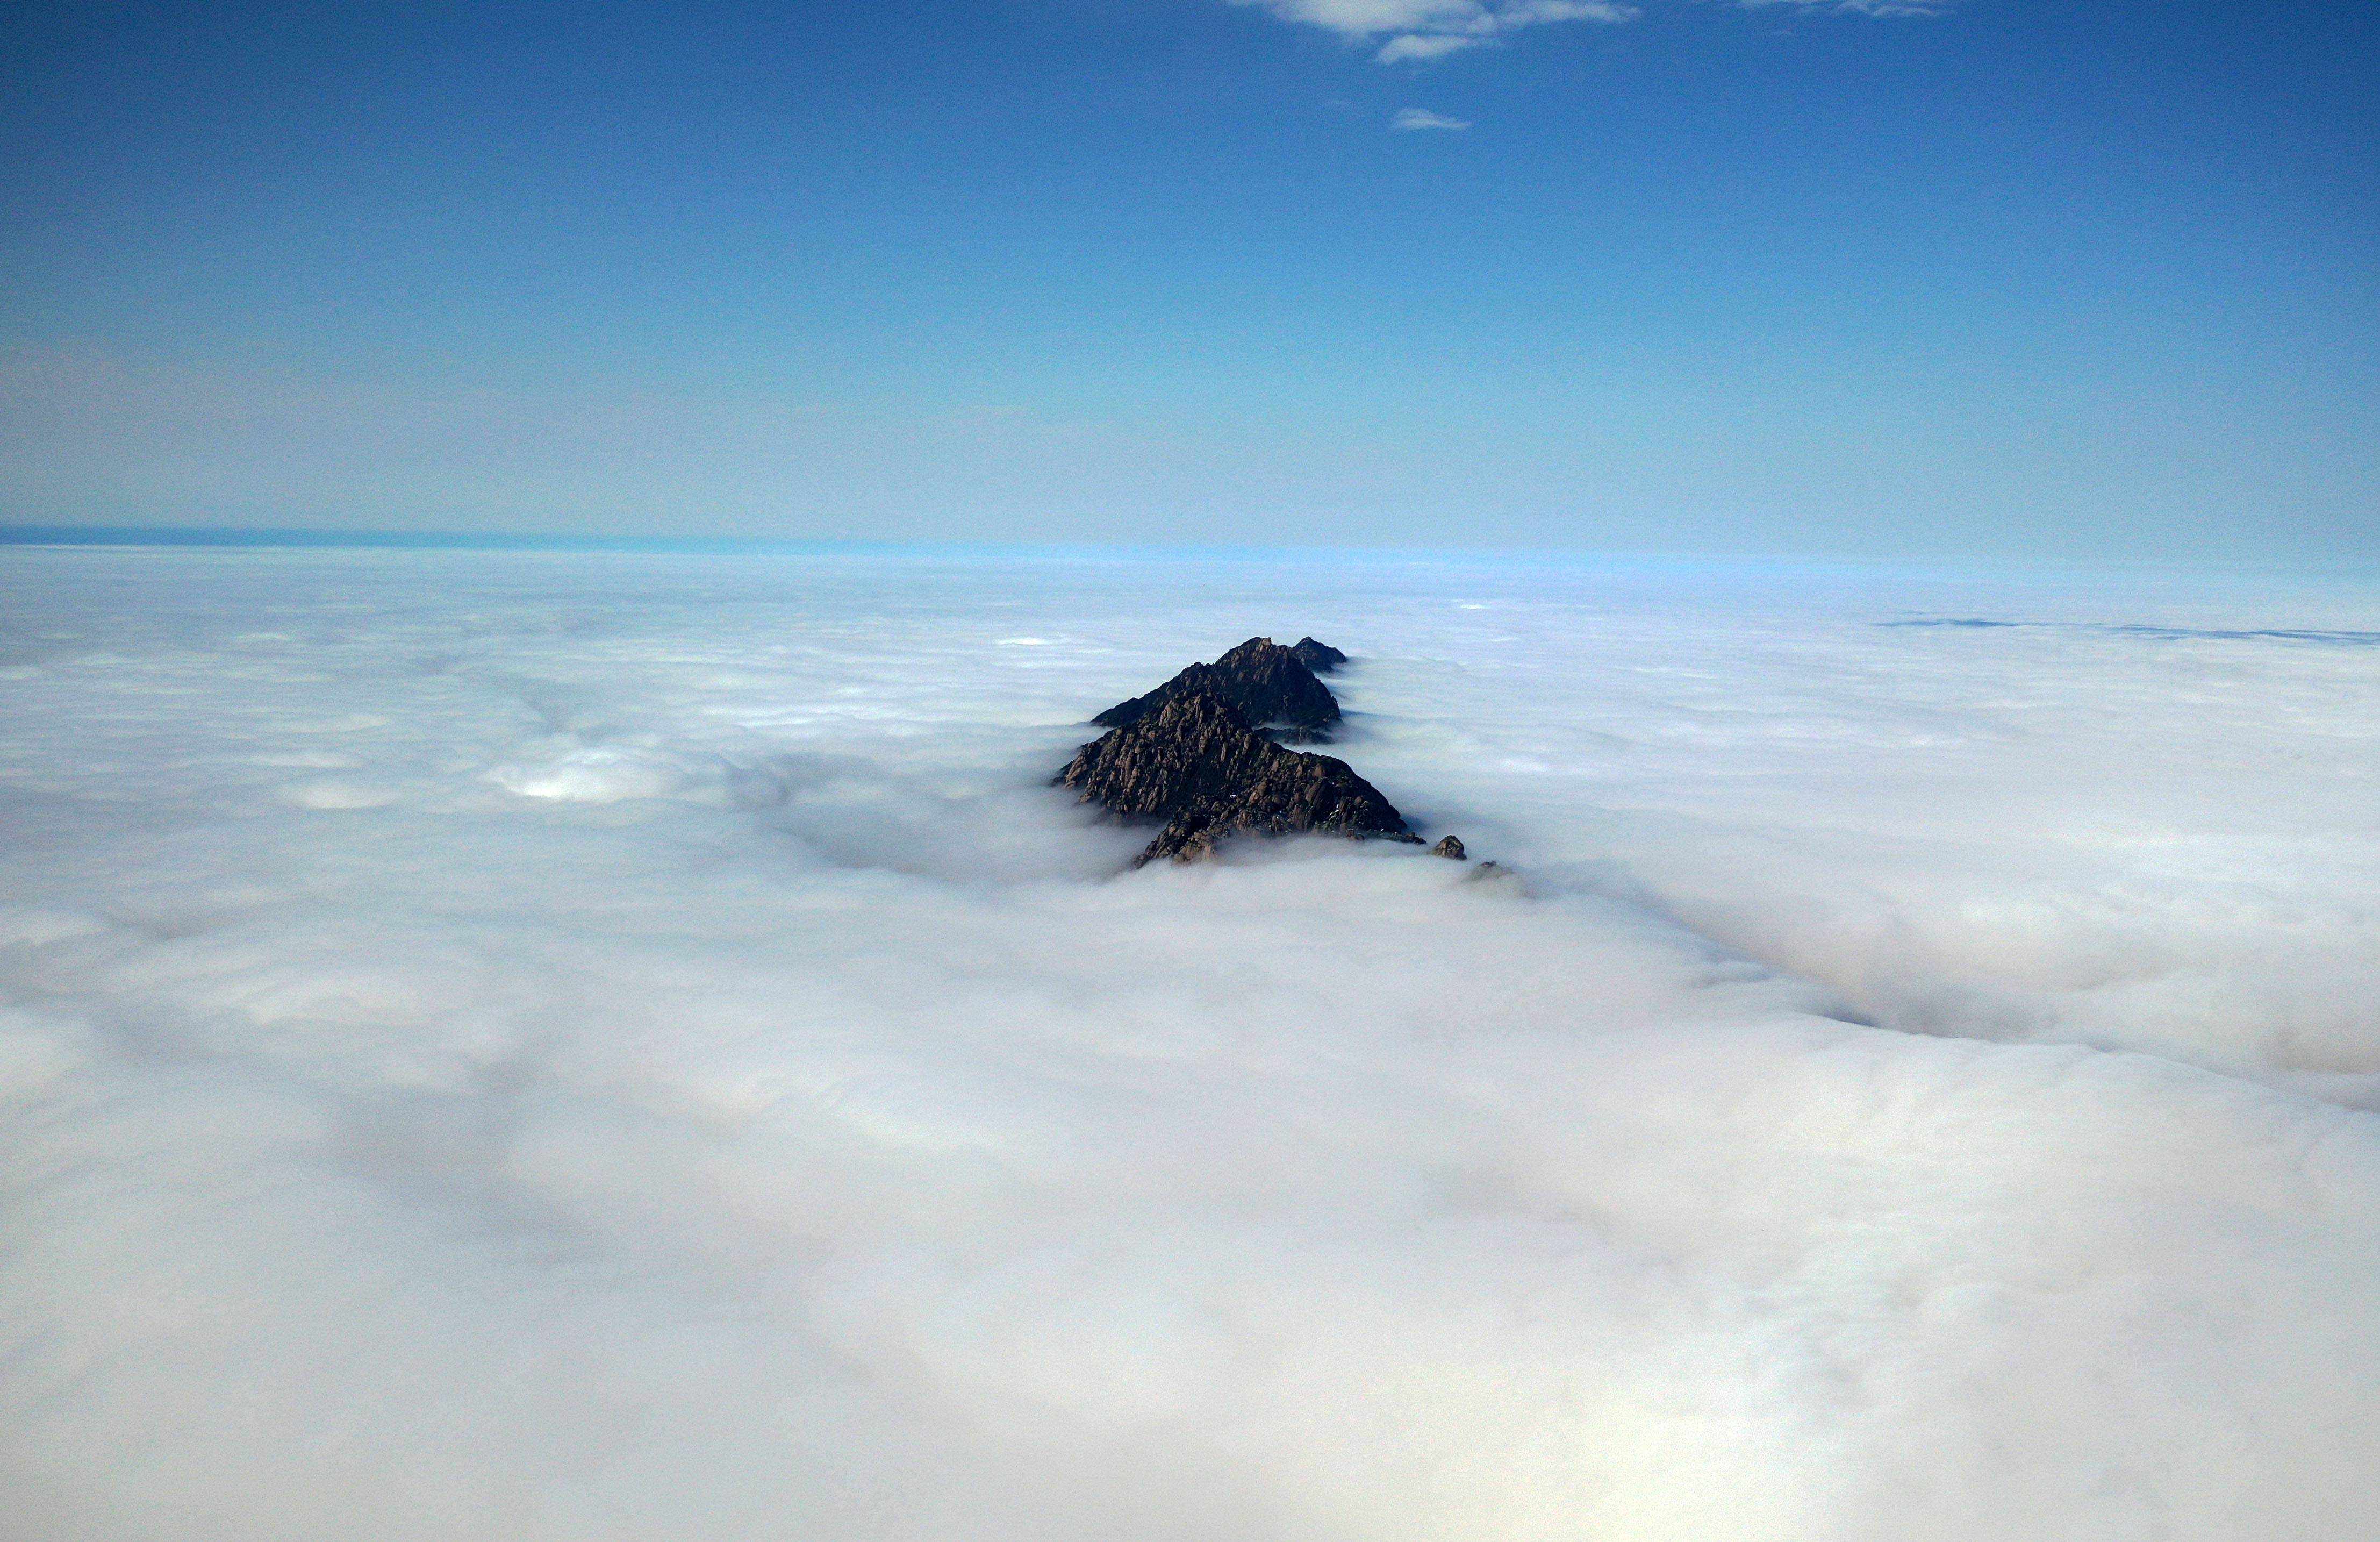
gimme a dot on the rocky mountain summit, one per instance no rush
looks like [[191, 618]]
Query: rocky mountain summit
[[1194, 763], [1320, 657], [1199, 752], [1271, 687]]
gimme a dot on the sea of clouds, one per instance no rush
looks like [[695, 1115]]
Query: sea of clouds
[[537, 1045]]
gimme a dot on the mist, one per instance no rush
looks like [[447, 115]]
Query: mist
[[590, 1046]]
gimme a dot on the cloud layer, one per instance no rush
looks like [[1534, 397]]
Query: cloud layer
[[567, 1046]]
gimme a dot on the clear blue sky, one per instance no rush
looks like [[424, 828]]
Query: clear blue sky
[[2038, 279]]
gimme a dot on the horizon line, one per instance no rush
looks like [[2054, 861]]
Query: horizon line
[[261, 538]]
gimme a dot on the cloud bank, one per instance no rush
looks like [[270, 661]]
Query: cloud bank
[[540, 1045]]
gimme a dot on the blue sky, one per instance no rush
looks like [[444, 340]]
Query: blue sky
[[2058, 281]]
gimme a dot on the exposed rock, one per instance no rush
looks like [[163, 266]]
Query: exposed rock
[[1320, 657], [1261, 681], [1450, 847], [1194, 763]]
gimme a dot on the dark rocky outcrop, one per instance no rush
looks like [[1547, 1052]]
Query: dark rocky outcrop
[[1193, 762], [1261, 681], [1320, 657], [1450, 847]]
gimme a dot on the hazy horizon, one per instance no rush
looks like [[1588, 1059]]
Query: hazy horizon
[[2307, 577]]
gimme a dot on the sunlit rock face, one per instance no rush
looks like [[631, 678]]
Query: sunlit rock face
[[1269, 686], [1195, 763]]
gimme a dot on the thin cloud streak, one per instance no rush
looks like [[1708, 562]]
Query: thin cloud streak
[[1860, 7], [1421, 117], [1426, 29], [1422, 49], [1422, 30]]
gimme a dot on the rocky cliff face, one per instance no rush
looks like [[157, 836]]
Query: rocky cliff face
[[1320, 657], [1267, 684], [1193, 762]]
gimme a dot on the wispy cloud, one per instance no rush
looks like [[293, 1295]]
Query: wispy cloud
[[1422, 118], [1413, 45], [1860, 7], [1420, 30]]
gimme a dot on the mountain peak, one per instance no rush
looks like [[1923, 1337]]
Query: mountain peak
[[1269, 686], [1193, 762]]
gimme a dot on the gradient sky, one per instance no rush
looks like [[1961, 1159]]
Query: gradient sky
[[2057, 280]]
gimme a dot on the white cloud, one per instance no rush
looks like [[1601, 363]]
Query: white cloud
[[1416, 47], [1419, 30], [1860, 7], [1421, 117], [712, 1088]]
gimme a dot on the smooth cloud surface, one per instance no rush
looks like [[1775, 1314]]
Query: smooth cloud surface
[[576, 1047]]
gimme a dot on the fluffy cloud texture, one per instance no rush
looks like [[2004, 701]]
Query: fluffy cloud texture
[[578, 1046]]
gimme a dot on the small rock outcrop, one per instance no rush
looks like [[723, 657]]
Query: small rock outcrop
[[1450, 847], [1267, 684], [1320, 657], [1193, 760]]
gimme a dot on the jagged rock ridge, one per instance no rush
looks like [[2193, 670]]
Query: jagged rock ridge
[[1194, 763], [1268, 685], [1320, 657]]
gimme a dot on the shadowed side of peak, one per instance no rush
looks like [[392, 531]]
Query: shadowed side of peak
[[1194, 763], [1267, 684], [1320, 657]]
